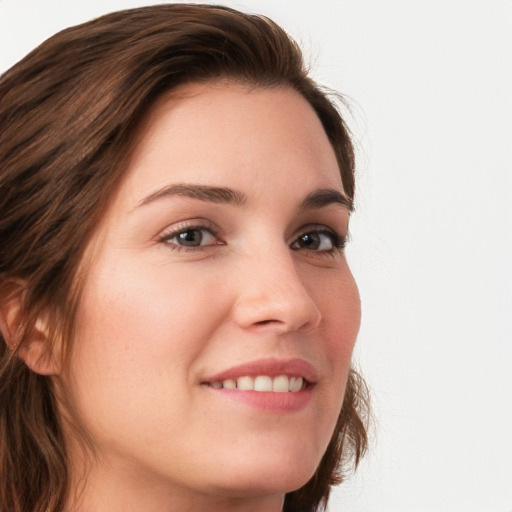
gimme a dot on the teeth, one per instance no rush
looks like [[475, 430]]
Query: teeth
[[279, 384], [297, 385], [229, 384], [262, 383], [245, 383]]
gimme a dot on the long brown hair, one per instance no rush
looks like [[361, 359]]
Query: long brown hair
[[68, 115]]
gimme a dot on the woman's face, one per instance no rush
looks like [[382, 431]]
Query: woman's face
[[219, 261]]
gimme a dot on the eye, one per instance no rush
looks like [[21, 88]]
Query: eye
[[190, 237], [319, 240]]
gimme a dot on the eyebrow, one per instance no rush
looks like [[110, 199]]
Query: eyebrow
[[202, 192], [314, 200], [324, 197]]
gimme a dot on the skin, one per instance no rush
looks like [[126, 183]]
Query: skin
[[157, 318]]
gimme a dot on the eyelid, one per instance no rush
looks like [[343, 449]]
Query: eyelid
[[199, 224], [339, 240]]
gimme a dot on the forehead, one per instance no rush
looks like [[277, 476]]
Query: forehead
[[234, 136]]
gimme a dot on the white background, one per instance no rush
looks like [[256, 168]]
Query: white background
[[431, 85]]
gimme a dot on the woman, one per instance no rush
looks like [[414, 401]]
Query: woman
[[177, 315]]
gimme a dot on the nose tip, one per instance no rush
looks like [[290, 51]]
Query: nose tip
[[276, 299]]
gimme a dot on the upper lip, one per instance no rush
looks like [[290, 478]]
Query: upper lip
[[269, 366]]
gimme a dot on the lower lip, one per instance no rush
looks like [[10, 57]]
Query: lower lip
[[269, 401]]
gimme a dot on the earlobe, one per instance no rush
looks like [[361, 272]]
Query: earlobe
[[32, 345]]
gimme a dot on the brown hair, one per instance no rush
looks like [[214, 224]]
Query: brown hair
[[68, 115]]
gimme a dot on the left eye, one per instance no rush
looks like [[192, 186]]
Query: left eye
[[192, 237], [318, 241]]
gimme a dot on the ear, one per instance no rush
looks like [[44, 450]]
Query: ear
[[35, 349]]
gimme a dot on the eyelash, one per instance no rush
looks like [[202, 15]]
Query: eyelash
[[187, 228], [338, 242]]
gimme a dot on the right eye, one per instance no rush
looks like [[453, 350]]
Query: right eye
[[190, 237]]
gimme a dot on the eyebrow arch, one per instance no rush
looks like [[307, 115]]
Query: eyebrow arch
[[325, 197], [316, 199], [201, 192]]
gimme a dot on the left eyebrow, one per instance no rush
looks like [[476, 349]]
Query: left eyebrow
[[324, 197]]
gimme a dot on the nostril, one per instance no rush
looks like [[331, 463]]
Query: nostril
[[264, 322]]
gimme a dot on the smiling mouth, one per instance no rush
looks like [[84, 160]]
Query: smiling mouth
[[262, 383]]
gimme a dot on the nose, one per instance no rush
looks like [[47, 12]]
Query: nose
[[272, 295]]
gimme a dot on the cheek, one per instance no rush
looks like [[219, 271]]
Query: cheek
[[340, 305], [156, 309], [138, 337]]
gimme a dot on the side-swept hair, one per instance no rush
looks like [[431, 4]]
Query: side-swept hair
[[68, 117]]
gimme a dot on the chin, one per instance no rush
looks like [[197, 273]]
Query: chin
[[264, 484], [277, 471]]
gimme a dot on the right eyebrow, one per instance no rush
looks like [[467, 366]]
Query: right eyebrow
[[202, 192]]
